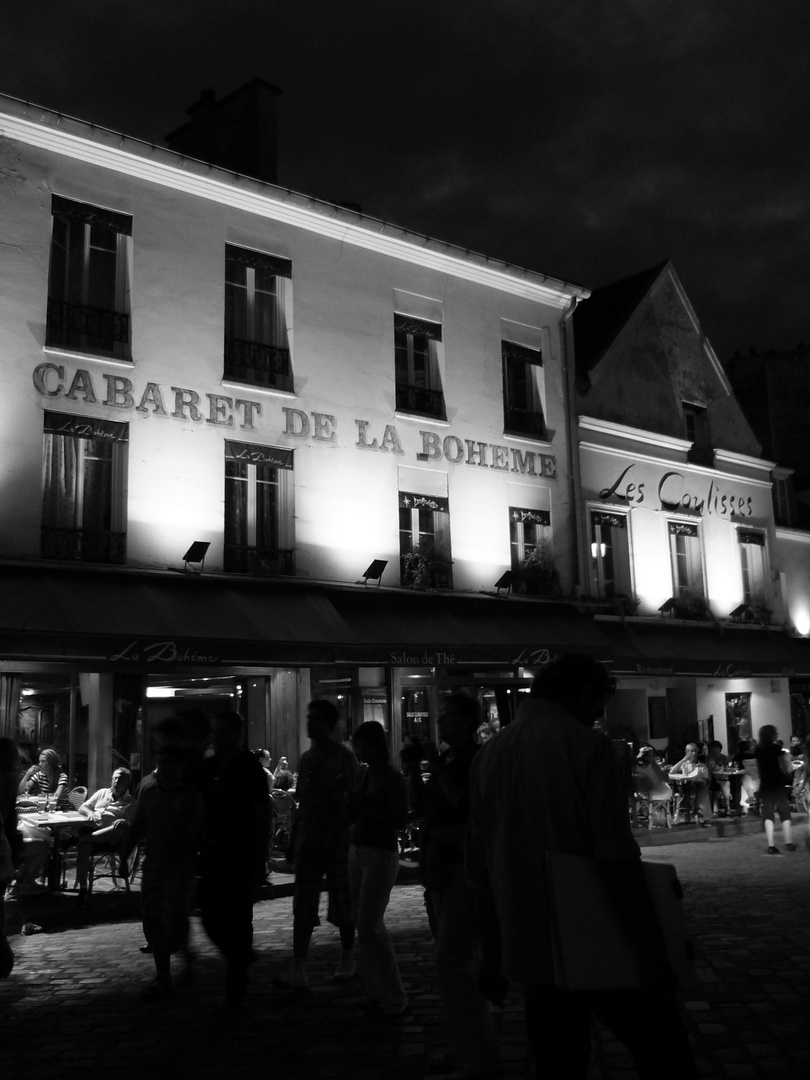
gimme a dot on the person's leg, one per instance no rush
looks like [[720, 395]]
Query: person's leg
[[35, 856], [768, 809], [467, 1014], [558, 1024], [378, 872], [648, 1022], [340, 906], [306, 900]]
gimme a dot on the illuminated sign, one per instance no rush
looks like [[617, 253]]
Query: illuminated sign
[[675, 492], [221, 410]]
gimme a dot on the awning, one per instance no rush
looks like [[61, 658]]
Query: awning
[[112, 619], [725, 652]]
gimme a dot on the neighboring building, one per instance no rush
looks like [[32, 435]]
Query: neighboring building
[[191, 356], [703, 602]]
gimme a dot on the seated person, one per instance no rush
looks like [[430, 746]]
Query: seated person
[[283, 766], [264, 759], [696, 787], [45, 778], [110, 812], [719, 787], [649, 777]]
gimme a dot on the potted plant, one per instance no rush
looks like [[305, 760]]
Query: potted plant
[[538, 574], [691, 605], [423, 567]]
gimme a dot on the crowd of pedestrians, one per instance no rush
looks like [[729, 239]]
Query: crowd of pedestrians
[[490, 817]]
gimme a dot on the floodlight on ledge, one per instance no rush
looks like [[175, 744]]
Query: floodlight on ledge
[[505, 581], [375, 572], [194, 558], [668, 605]]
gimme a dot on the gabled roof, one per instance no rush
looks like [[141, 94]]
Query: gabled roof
[[598, 320]]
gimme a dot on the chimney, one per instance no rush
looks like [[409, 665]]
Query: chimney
[[238, 133]]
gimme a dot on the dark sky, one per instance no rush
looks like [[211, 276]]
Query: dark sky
[[587, 139]]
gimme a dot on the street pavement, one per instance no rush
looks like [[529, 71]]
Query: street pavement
[[72, 1005]]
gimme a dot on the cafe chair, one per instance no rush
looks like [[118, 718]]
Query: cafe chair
[[106, 863], [76, 796], [652, 805]]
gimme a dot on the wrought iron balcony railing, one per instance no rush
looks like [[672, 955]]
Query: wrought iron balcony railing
[[79, 326], [523, 422], [256, 363], [273, 562], [418, 399], [84, 545]]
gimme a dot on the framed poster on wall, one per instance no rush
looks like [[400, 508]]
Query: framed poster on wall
[[657, 717]]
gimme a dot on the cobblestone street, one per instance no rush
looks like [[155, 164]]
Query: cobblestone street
[[72, 1008]]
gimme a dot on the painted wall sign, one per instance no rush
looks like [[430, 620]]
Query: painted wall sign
[[55, 381], [676, 492]]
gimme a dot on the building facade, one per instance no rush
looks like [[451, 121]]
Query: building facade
[[259, 448], [706, 601]]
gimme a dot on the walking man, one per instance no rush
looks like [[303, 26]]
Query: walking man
[[233, 848], [549, 782], [320, 844]]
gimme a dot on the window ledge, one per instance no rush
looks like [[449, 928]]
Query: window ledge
[[98, 358], [421, 418], [513, 437]]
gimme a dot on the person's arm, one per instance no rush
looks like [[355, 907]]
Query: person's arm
[[137, 831], [88, 808], [61, 787], [23, 788]]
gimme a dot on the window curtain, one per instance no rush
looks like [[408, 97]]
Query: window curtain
[[60, 488], [10, 689]]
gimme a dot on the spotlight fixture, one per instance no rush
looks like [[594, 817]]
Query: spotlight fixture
[[194, 558], [668, 605], [375, 572], [505, 581]]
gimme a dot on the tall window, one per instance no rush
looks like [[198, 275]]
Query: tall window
[[687, 564], [752, 564], [88, 291], [83, 482], [610, 554], [416, 362], [784, 502], [257, 291], [258, 509], [528, 530], [424, 541], [524, 391]]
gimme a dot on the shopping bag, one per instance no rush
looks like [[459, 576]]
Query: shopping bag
[[617, 924]]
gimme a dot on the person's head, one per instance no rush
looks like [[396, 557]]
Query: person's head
[[120, 782], [170, 762], [646, 755], [49, 761], [691, 750], [743, 747], [715, 746], [578, 683], [767, 735], [263, 757], [371, 743], [169, 732], [284, 780], [322, 716], [9, 756], [227, 733], [459, 719]]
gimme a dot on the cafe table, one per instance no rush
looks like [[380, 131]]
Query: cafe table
[[55, 821], [734, 777]]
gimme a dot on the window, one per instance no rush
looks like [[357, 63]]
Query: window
[[88, 292], [84, 469], [752, 564], [687, 566], [784, 503], [528, 529], [257, 297], [258, 509], [416, 363], [524, 391], [696, 430], [610, 555], [424, 541]]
